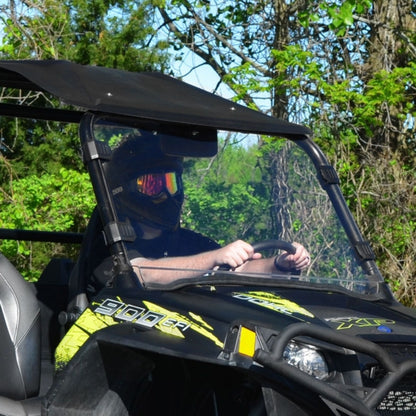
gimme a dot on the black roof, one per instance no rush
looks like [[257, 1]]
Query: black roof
[[145, 95]]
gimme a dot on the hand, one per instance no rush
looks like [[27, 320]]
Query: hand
[[235, 254], [300, 260]]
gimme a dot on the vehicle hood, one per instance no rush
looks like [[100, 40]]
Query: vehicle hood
[[277, 308], [341, 312], [199, 322]]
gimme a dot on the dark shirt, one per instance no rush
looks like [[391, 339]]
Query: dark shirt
[[182, 242], [179, 243]]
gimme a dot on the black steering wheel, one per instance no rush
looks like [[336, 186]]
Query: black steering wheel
[[274, 244], [267, 245]]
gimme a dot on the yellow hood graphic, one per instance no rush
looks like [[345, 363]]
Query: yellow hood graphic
[[111, 312]]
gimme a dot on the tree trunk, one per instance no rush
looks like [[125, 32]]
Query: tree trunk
[[390, 47]]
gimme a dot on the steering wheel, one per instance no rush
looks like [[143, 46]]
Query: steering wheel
[[267, 245], [274, 244]]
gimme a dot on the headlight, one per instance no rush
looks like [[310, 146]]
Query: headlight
[[307, 359]]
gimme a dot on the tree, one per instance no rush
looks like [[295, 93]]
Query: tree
[[117, 34], [344, 67], [42, 180], [109, 33]]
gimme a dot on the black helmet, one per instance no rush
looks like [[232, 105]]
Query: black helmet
[[145, 182]]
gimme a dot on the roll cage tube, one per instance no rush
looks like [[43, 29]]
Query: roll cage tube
[[329, 181], [360, 401], [95, 153]]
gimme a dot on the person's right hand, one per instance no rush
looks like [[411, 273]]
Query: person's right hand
[[235, 254], [300, 260]]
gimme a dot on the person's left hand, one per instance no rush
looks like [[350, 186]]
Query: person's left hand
[[300, 260]]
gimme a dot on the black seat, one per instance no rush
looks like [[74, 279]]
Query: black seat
[[82, 282], [88, 258], [20, 343]]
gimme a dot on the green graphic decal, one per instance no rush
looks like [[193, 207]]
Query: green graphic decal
[[358, 322]]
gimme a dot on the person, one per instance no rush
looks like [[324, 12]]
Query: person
[[146, 184]]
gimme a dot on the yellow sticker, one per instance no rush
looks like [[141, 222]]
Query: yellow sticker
[[201, 328], [247, 344], [78, 334]]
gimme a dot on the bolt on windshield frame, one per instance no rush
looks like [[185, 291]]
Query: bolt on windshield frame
[[97, 152]]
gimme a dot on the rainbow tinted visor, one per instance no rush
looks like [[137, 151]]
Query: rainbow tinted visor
[[153, 184]]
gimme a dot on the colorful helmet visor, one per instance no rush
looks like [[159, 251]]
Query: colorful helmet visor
[[153, 184]]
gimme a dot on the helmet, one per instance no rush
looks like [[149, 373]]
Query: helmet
[[145, 182]]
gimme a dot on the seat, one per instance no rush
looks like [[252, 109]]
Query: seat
[[83, 283], [87, 260], [20, 343]]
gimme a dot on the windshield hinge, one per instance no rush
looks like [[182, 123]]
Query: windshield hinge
[[328, 175], [364, 250], [119, 231], [95, 150]]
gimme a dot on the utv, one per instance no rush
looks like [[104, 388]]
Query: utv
[[329, 341]]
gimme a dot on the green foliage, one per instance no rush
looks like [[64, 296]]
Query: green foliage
[[99, 32], [50, 202], [222, 206], [225, 212], [42, 187], [341, 14], [114, 34]]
